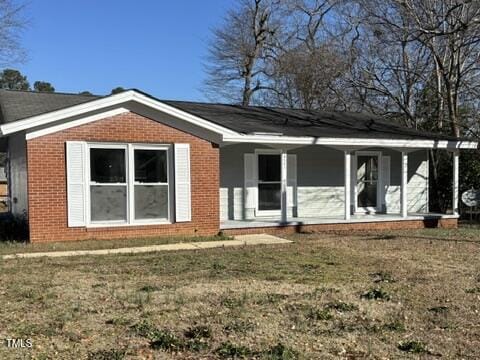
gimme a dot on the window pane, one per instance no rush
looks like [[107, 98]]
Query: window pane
[[269, 197], [151, 166], [269, 167], [108, 203], [107, 165], [367, 168], [151, 202]]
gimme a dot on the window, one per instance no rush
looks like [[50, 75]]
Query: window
[[269, 182], [108, 185], [151, 184], [129, 184]]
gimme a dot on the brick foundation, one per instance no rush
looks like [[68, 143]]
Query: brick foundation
[[47, 205], [357, 226]]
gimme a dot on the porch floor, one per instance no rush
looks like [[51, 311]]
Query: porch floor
[[357, 218]]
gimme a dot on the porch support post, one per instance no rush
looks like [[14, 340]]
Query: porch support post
[[404, 185], [456, 156], [284, 203], [347, 188]]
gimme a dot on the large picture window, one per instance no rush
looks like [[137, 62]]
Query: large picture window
[[128, 184]]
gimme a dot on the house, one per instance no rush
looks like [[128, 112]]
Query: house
[[130, 165]]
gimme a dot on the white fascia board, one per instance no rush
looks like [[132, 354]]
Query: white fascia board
[[113, 100], [70, 124], [421, 144]]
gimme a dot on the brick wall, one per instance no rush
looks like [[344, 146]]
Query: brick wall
[[356, 226], [47, 205]]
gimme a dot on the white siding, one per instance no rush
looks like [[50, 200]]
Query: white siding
[[17, 153], [320, 177]]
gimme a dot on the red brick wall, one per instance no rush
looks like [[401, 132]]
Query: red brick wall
[[356, 226], [47, 204]]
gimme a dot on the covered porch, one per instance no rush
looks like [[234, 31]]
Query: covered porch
[[300, 185]]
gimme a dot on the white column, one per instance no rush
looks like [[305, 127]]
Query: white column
[[456, 156], [348, 186], [404, 185], [284, 186]]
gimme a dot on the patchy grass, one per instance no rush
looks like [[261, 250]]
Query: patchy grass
[[300, 301]]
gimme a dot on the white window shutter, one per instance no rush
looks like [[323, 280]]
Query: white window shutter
[[183, 207], [76, 185], [291, 180], [250, 180], [385, 178]]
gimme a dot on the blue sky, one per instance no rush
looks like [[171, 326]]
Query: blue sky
[[154, 45]]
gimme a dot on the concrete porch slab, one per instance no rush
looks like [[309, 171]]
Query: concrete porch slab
[[240, 240]]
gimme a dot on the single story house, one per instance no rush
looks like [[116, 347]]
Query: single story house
[[131, 165]]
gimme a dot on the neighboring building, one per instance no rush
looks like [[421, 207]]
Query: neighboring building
[[130, 165]]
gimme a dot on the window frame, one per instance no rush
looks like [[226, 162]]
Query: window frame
[[130, 184], [259, 212], [379, 182]]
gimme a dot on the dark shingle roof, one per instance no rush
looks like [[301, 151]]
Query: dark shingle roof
[[16, 105], [294, 122]]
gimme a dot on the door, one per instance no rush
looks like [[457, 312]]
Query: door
[[367, 186], [269, 184]]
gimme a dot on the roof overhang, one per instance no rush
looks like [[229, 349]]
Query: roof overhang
[[106, 103], [94, 110], [362, 142]]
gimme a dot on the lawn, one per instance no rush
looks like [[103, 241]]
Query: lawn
[[392, 294]]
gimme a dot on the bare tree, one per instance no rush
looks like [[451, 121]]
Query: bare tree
[[12, 23], [307, 69], [237, 54], [436, 40]]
